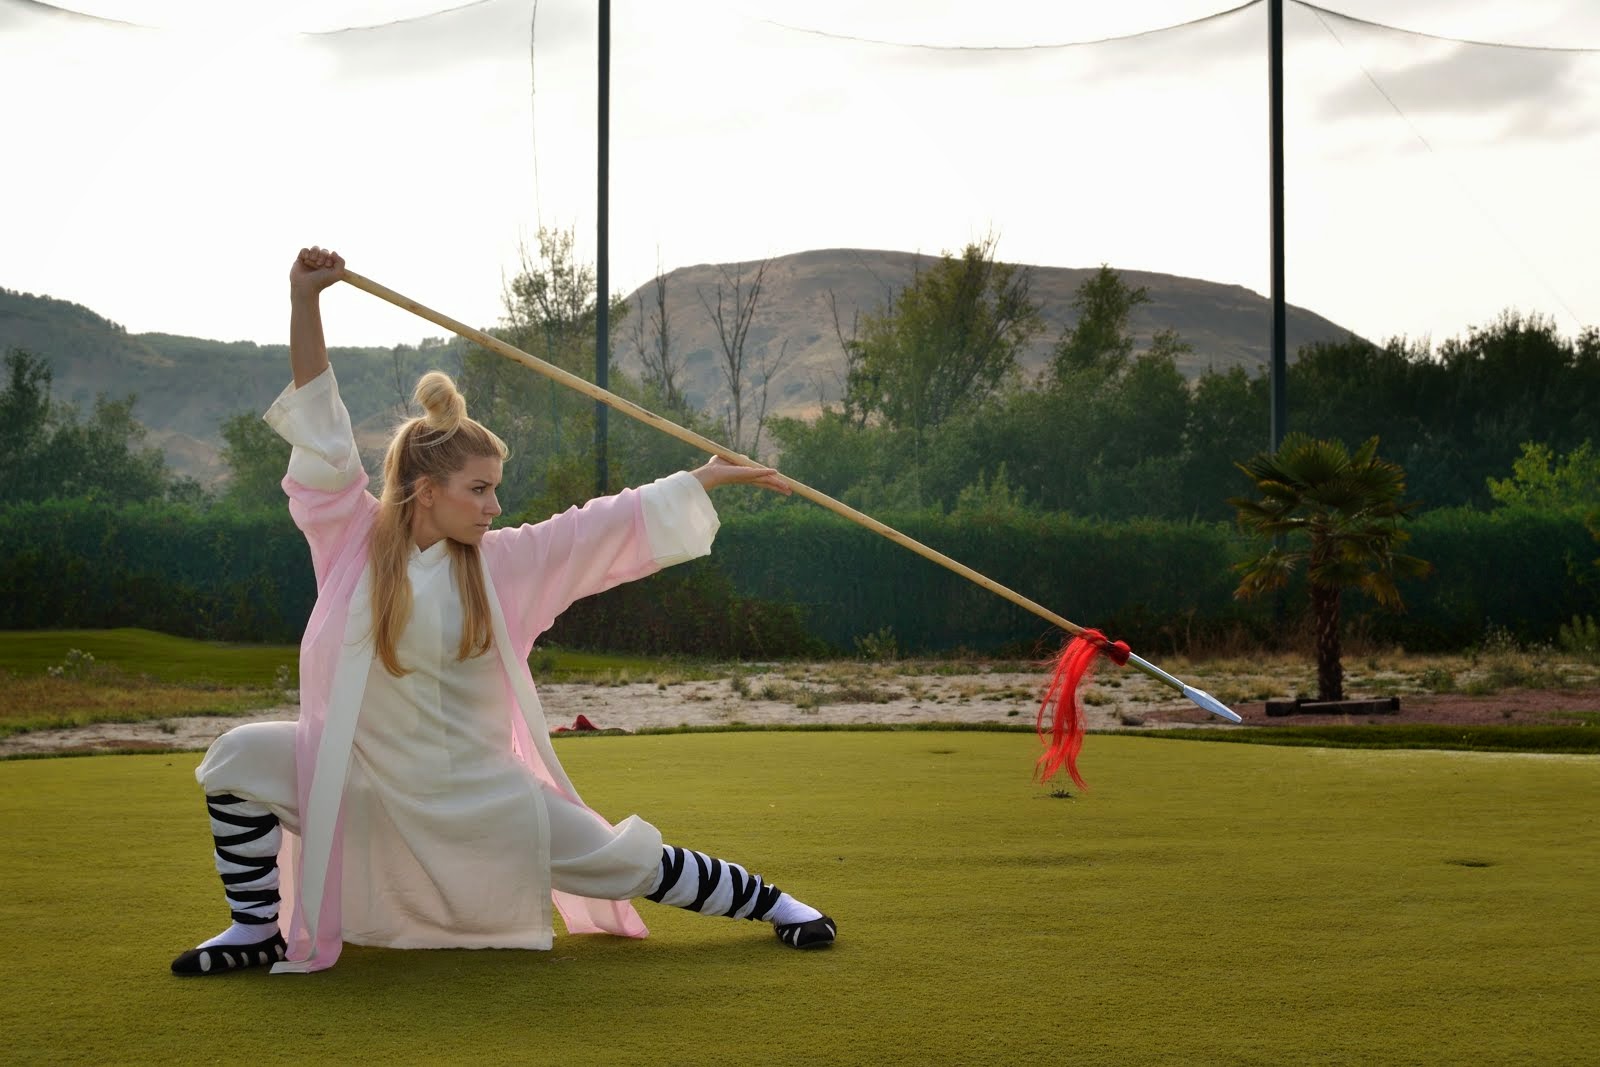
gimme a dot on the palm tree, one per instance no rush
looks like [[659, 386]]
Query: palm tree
[[1337, 514]]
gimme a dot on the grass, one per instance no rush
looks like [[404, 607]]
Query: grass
[[140, 675], [159, 656], [1580, 738], [1200, 904], [40, 702]]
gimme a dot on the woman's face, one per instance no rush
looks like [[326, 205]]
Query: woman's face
[[463, 508]]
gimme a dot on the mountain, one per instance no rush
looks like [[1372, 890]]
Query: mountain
[[1228, 325], [187, 386]]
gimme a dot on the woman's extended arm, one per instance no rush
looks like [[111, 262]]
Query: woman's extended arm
[[314, 270]]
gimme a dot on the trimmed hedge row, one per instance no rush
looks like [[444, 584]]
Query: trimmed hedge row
[[1526, 571], [219, 575], [1152, 583], [1162, 586], [798, 581]]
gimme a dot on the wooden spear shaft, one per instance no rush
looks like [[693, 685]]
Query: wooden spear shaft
[[666, 426]]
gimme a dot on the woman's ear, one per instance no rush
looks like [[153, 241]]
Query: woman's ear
[[425, 492]]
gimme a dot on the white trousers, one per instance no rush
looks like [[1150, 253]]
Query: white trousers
[[587, 857]]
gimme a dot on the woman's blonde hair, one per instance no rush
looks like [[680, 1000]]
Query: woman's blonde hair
[[434, 447]]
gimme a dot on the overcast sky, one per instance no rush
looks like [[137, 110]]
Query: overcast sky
[[164, 173]]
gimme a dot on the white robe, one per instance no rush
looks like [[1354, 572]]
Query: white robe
[[446, 822]]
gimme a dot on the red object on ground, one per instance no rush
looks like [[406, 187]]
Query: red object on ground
[[581, 723], [1077, 662]]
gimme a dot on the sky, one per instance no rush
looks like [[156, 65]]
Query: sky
[[166, 158]]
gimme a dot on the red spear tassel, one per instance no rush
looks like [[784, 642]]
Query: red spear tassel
[[1077, 662]]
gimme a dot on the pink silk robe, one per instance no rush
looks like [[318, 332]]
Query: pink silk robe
[[533, 572]]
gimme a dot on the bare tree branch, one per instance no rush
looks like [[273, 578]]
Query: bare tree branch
[[655, 350], [733, 328], [769, 371]]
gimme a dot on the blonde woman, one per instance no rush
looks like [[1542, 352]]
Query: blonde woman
[[417, 802]]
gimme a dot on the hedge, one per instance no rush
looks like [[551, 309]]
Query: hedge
[[798, 581]]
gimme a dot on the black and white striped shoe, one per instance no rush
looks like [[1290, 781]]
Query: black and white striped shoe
[[220, 959], [816, 933]]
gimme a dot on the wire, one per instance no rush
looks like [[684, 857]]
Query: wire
[[1007, 47], [63, 10], [1460, 183], [1164, 29], [58, 9], [1441, 37], [400, 22]]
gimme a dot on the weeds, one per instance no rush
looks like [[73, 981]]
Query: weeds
[[1437, 680], [77, 664], [1582, 638], [879, 646]]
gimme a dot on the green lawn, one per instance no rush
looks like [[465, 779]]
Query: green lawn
[[140, 675], [1200, 904], [187, 661], [160, 656]]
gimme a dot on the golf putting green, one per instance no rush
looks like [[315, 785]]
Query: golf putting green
[[1199, 904]]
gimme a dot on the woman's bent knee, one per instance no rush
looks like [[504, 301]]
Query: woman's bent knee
[[255, 761]]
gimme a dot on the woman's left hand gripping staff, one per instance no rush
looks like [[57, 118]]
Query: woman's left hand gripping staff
[[718, 471]]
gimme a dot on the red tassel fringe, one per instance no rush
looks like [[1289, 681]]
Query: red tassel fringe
[[1076, 663]]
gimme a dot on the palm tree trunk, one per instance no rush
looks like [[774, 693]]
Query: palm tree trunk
[[1325, 619]]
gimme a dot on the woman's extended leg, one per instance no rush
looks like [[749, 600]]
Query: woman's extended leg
[[249, 778], [590, 859]]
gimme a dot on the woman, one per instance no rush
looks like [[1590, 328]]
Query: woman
[[417, 802]]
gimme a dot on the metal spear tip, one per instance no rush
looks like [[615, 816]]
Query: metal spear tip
[[1210, 703]]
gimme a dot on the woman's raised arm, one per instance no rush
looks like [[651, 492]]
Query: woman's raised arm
[[314, 270]]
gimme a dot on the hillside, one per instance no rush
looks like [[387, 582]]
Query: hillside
[[1228, 325], [187, 386]]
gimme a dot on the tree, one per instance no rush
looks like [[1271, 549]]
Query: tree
[[652, 338], [1114, 445], [24, 407], [732, 313], [1541, 479], [1227, 417], [945, 342], [1455, 417], [551, 305], [552, 301], [49, 452], [1099, 341], [1343, 515], [256, 458], [551, 308]]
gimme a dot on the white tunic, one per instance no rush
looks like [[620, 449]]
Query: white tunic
[[433, 785]]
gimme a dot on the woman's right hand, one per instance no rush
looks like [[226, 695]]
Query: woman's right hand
[[314, 270]]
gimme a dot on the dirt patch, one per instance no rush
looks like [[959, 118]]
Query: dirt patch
[[813, 696]]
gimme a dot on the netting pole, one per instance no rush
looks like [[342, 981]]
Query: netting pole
[[602, 267]]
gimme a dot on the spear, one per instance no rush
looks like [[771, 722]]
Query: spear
[[1077, 659]]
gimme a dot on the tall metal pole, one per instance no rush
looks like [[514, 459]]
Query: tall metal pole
[[602, 265], [1280, 344], [1280, 340]]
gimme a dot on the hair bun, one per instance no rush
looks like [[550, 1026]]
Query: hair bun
[[445, 406]]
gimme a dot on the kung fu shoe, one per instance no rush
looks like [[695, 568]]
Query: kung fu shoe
[[220, 959], [817, 933]]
